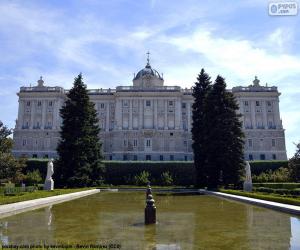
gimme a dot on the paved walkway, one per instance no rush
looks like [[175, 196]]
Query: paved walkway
[[292, 209], [19, 207]]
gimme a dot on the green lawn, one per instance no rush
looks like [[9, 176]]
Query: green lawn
[[6, 199], [292, 200]]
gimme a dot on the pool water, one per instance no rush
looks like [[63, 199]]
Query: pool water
[[183, 222]]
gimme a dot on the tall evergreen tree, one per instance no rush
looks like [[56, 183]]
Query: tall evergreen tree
[[224, 147], [294, 165], [79, 149], [199, 128]]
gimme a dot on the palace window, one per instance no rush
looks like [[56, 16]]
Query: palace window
[[148, 103], [125, 158], [171, 134], [102, 105], [273, 143], [269, 103], [125, 143], [257, 103], [50, 103], [148, 157], [161, 157], [24, 142], [274, 156], [171, 103], [28, 103], [250, 157], [135, 142], [250, 143], [148, 143], [183, 105], [39, 103], [246, 103], [135, 157], [171, 157], [262, 156], [185, 158]]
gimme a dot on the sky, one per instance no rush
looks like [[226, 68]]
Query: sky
[[107, 40]]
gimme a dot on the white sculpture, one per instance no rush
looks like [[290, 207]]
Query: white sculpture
[[49, 183], [248, 180]]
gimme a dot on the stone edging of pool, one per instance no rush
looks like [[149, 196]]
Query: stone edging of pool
[[19, 207], [291, 209]]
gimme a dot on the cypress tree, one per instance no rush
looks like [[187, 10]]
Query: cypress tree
[[79, 163], [224, 147], [199, 128]]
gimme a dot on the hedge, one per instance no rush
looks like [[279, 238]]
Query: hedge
[[283, 185], [257, 167], [267, 197], [123, 172]]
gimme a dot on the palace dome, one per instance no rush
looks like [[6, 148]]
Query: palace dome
[[147, 71]]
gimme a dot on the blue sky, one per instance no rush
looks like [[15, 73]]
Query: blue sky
[[107, 41]]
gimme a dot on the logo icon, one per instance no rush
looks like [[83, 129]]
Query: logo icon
[[283, 8]]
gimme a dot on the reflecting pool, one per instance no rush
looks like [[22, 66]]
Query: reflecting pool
[[184, 222]]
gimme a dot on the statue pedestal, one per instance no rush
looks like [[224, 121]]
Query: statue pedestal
[[49, 185], [247, 186]]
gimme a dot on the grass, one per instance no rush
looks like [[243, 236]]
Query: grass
[[7, 199], [291, 200]]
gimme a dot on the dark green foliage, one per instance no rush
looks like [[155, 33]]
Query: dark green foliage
[[79, 149], [294, 165], [37, 164], [257, 167], [142, 179], [279, 175], [199, 126], [33, 177], [122, 172], [218, 136], [268, 197], [278, 185], [10, 168], [281, 191], [166, 179]]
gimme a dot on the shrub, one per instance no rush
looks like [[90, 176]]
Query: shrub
[[142, 179], [279, 175], [33, 177], [166, 179]]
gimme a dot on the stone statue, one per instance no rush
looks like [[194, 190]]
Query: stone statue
[[49, 183], [248, 180]]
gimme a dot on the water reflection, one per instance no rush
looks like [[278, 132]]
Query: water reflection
[[184, 222]]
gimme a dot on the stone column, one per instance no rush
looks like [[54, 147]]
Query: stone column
[[166, 115], [44, 114], [264, 110], [55, 114], [253, 114], [177, 114], [107, 117], [130, 114], [155, 113], [141, 113], [20, 114], [118, 115], [277, 114], [32, 114], [188, 108]]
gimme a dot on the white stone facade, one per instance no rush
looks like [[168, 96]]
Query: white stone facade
[[146, 121]]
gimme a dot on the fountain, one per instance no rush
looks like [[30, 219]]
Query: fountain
[[150, 209]]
